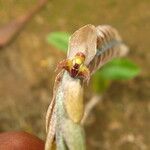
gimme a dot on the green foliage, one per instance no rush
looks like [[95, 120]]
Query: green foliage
[[59, 40], [117, 69], [99, 84]]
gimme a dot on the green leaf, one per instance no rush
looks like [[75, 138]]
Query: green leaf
[[119, 69], [59, 40], [99, 85]]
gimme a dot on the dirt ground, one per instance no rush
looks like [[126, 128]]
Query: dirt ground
[[122, 120]]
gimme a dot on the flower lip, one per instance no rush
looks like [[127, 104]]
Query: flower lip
[[76, 66]]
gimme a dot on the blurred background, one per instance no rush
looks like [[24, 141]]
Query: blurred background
[[121, 121]]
